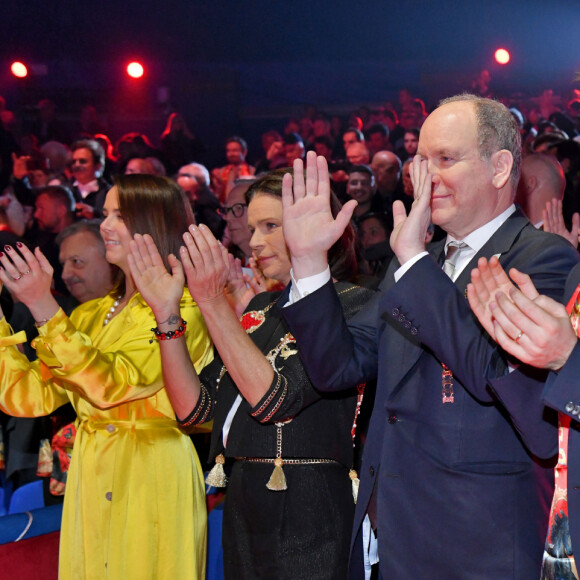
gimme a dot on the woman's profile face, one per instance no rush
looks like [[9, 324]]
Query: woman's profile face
[[267, 242], [114, 232]]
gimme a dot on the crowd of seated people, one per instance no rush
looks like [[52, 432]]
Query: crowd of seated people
[[381, 140], [54, 177]]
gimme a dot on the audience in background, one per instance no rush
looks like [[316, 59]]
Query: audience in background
[[39, 154]]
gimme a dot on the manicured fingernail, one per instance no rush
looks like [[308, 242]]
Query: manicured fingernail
[[19, 244], [187, 237], [8, 248], [1, 254]]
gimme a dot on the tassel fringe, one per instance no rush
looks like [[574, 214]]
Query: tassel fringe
[[277, 481], [217, 477]]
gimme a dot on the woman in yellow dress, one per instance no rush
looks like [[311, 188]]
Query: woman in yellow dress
[[135, 502]]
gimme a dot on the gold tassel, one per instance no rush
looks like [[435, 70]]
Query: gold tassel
[[217, 477], [277, 481], [355, 483]]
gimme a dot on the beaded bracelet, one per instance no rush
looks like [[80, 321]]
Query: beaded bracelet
[[170, 333]]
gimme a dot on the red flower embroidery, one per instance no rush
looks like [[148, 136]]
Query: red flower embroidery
[[252, 320]]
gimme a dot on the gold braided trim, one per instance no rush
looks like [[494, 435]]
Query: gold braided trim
[[202, 406], [279, 403], [270, 396], [348, 290]]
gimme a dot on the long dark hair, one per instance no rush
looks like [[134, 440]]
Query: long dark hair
[[342, 255], [156, 206]]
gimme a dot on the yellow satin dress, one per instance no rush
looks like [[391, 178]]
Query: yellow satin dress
[[135, 499]]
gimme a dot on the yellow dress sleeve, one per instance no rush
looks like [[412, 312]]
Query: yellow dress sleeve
[[24, 391], [118, 363]]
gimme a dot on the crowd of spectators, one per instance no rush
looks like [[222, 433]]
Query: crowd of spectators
[[379, 141], [53, 176]]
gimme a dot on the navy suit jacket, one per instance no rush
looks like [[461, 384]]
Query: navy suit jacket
[[562, 392], [459, 494]]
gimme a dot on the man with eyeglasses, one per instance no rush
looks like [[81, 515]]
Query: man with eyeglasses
[[235, 212]]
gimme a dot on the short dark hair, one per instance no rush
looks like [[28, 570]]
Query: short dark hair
[[390, 114], [380, 217], [568, 149], [239, 141], [548, 139], [59, 194], [357, 132], [360, 168], [378, 128], [325, 140]]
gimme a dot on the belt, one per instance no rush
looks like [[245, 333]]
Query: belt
[[91, 425], [285, 461]]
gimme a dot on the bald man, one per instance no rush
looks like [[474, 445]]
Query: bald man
[[386, 168], [542, 180]]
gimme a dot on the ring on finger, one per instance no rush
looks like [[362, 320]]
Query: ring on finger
[[17, 277], [517, 338], [25, 272]]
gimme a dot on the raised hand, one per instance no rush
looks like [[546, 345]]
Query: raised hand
[[161, 290], [29, 279], [19, 166], [531, 327], [553, 218], [206, 265], [239, 291], [310, 230], [84, 211], [408, 236]]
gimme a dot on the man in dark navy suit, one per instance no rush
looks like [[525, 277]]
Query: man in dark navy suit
[[542, 333], [450, 487]]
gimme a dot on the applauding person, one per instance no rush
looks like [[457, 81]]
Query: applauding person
[[135, 502], [289, 503], [541, 332], [448, 453]]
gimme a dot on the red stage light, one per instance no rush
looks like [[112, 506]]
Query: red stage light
[[502, 56], [19, 69], [135, 70]]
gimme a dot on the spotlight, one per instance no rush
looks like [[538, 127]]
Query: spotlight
[[19, 69], [502, 56], [135, 70]]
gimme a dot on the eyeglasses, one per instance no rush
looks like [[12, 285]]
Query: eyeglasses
[[237, 210]]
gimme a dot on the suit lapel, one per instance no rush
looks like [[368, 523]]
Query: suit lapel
[[401, 351], [499, 244]]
